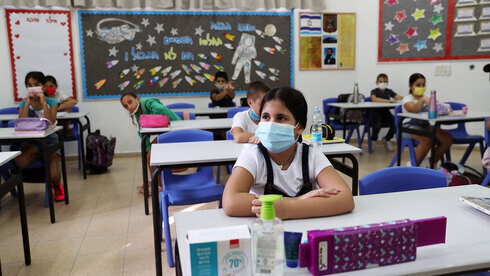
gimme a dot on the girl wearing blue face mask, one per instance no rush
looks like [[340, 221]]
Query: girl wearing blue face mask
[[416, 102], [281, 164], [245, 123]]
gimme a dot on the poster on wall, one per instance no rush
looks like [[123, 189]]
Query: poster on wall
[[434, 30], [327, 41], [178, 53], [40, 40]]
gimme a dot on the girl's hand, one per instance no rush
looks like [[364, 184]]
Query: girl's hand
[[322, 192], [392, 100], [256, 206], [30, 97], [253, 140], [41, 97], [230, 86]]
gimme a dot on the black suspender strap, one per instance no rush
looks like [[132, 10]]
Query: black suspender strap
[[270, 176], [306, 175]]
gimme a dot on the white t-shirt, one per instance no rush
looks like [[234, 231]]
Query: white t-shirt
[[288, 181], [242, 119], [60, 96], [411, 99]]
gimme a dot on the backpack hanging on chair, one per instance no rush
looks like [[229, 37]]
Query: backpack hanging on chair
[[352, 116], [457, 174], [100, 152]]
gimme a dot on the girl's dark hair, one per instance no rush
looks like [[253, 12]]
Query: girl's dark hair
[[294, 101], [413, 78], [39, 76], [382, 75], [128, 94], [51, 79]]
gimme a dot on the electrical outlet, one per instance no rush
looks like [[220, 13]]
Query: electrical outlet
[[443, 70]]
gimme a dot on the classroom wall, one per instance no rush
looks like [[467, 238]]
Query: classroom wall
[[463, 85]]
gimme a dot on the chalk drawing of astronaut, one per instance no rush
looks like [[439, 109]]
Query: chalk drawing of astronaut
[[116, 34], [243, 56]]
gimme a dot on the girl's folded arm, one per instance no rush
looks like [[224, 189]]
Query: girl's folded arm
[[237, 201]]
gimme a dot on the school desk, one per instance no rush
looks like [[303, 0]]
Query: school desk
[[467, 232], [208, 111], [216, 153], [458, 117], [7, 135], [362, 106], [204, 124], [70, 116], [15, 180]]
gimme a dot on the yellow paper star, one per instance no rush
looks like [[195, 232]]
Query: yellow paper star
[[418, 14], [434, 34]]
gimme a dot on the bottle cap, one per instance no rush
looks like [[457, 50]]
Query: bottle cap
[[292, 263], [317, 108], [267, 211]]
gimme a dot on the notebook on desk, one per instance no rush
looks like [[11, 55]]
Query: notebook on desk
[[307, 139], [480, 203]]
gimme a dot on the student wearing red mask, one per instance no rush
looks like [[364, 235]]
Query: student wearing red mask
[[66, 103]]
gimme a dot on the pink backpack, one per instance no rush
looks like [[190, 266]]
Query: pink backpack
[[153, 121]]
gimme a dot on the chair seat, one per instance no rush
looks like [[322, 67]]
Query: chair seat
[[466, 139]]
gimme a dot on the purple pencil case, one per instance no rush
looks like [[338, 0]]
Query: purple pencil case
[[371, 245]]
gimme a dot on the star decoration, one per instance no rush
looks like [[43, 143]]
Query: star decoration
[[434, 34], [403, 48], [391, 2], [393, 39], [145, 22], [411, 32], [90, 33], [432, 2], [113, 51], [418, 14], [437, 18], [437, 47], [138, 46], [389, 26], [400, 16], [134, 68], [421, 44], [199, 31], [159, 28], [151, 40], [438, 8], [174, 31]]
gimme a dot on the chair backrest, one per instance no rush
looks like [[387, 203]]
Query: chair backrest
[[75, 109], [326, 110], [180, 106], [459, 126], [487, 133], [9, 110], [192, 116], [399, 179], [235, 110], [229, 136], [398, 109]]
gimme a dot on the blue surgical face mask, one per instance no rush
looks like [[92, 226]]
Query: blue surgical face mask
[[275, 137], [253, 115]]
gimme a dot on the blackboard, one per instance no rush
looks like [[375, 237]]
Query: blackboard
[[434, 30], [178, 53]]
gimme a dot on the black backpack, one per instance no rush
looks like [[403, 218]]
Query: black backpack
[[100, 152], [352, 116]]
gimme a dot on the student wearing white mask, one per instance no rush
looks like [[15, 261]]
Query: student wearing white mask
[[224, 93], [378, 117], [281, 164]]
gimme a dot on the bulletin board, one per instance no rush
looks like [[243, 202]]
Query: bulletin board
[[412, 30], [178, 53], [327, 41], [40, 40]]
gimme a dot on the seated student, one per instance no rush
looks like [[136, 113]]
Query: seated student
[[224, 93], [416, 102], [245, 122], [137, 106], [322, 192], [66, 103], [379, 116], [38, 105]]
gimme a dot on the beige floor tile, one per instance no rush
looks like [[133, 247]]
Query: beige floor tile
[[139, 259], [150, 272], [99, 264], [11, 268], [62, 265], [106, 244], [114, 221], [53, 249], [13, 253], [140, 240], [12, 233]]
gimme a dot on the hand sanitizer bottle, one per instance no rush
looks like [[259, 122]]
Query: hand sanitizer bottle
[[268, 239]]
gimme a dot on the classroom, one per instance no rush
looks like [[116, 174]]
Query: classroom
[[159, 122]]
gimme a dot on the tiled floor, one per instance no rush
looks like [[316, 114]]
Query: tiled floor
[[104, 229]]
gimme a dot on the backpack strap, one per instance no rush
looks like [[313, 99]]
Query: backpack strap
[[307, 187], [268, 189]]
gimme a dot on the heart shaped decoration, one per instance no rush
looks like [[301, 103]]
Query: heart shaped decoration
[[63, 23], [17, 57], [17, 22], [65, 54], [16, 36]]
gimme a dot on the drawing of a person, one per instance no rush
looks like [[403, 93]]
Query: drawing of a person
[[243, 56]]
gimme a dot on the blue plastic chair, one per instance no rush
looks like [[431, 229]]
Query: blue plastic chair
[[186, 189], [8, 110], [76, 136], [338, 126], [410, 143], [192, 116], [487, 142], [235, 110], [399, 179], [367, 128], [461, 136], [180, 106]]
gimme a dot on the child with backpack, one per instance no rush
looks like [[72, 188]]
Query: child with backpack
[[281, 164]]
